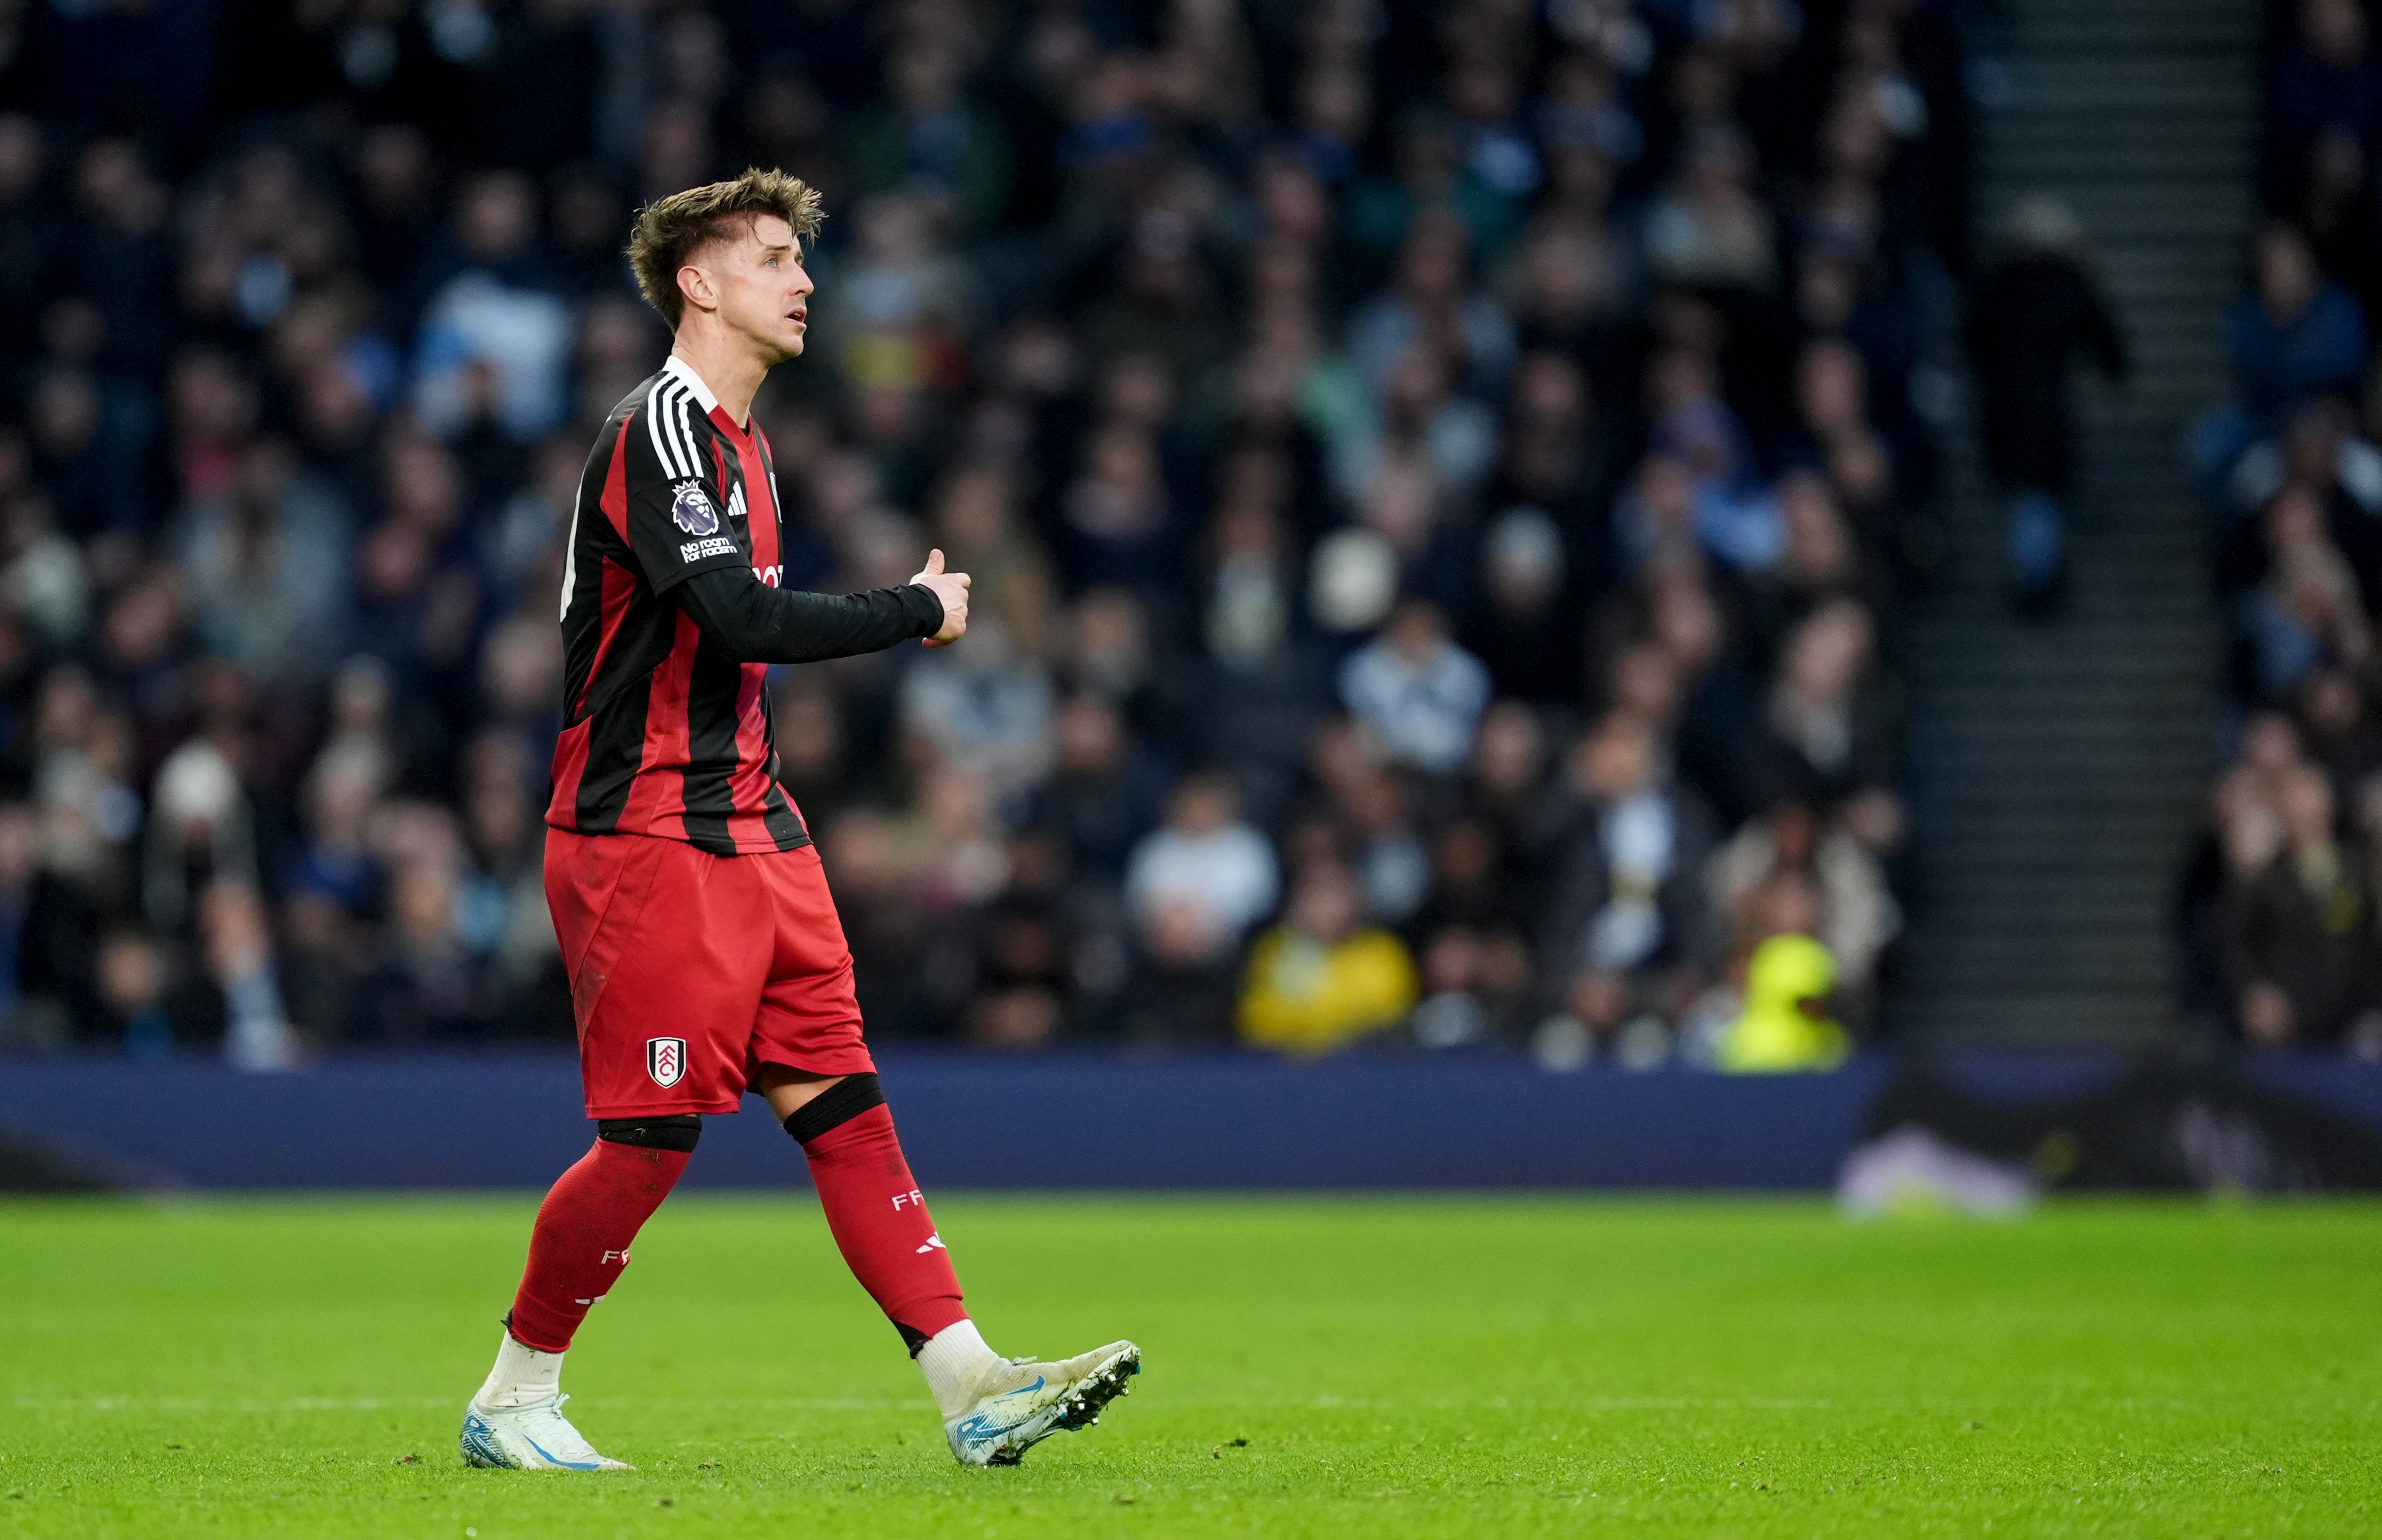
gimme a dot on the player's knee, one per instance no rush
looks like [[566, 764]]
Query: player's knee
[[835, 1106], [678, 1133]]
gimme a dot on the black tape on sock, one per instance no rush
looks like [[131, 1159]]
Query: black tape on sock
[[835, 1106], [678, 1133]]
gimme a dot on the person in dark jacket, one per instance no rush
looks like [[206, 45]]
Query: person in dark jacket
[[2299, 955], [2038, 307]]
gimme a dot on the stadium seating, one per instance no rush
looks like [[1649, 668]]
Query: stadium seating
[[1441, 481]]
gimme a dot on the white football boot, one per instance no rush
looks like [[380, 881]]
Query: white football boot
[[532, 1437], [1020, 1402]]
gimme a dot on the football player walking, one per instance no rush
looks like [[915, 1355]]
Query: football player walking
[[705, 955]]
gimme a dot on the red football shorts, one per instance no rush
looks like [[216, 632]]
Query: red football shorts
[[688, 972]]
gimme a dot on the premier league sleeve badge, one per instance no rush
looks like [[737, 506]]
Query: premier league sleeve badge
[[693, 511]]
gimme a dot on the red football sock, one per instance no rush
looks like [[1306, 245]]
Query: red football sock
[[880, 1225], [581, 1239]]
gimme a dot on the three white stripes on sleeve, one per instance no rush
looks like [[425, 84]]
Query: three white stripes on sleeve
[[672, 430]]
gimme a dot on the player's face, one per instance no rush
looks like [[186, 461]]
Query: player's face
[[764, 293]]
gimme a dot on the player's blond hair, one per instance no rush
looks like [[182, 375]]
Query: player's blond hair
[[670, 230]]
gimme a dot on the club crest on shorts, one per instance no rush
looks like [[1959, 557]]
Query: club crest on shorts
[[691, 509], [665, 1060]]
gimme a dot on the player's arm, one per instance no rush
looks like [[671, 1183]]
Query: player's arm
[[675, 525], [751, 622]]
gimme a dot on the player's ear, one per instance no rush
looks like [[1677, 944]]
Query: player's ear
[[695, 285]]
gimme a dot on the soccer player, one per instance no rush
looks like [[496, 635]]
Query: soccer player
[[705, 955]]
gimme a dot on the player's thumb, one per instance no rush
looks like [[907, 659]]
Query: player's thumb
[[935, 560]]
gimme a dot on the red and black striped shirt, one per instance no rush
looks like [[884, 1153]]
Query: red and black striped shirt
[[666, 727]]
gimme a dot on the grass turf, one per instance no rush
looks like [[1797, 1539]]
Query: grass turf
[[1378, 1368]]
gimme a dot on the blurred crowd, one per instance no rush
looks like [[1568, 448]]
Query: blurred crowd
[[1435, 475], [2282, 906]]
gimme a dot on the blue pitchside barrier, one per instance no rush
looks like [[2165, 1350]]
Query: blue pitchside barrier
[[1220, 1122]]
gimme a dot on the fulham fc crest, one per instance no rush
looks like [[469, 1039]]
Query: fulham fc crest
[[666, 1059]]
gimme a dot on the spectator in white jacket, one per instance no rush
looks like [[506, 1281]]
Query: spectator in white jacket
[[1203, 876], [1418, 692]]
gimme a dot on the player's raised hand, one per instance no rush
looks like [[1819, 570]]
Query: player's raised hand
[[952, 588]]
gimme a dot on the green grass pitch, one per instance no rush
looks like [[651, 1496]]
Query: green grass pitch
[[1371, 1367]]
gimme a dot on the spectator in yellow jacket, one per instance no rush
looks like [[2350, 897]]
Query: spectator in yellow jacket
[[1786, 1025], [1317, 980]]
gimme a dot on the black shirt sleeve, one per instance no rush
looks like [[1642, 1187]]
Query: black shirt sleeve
[[751, 622], [676, 519]]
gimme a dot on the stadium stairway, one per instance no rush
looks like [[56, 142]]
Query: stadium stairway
[[2059, 767]]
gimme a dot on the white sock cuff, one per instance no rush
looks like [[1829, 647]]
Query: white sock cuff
[[955, 1362], [521, 1375]]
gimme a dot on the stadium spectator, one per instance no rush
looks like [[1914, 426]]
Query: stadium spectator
[[1787, 872], [1319, 980], [1103, 795], [2326, 89], [1825, 740], [2296, 336], [2307, 613], [2037, 309], [1708, 230], [1626, 900], [2301, 955], [1786, 1024], [1525, 627], [1418, 691], [1203, 876]]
